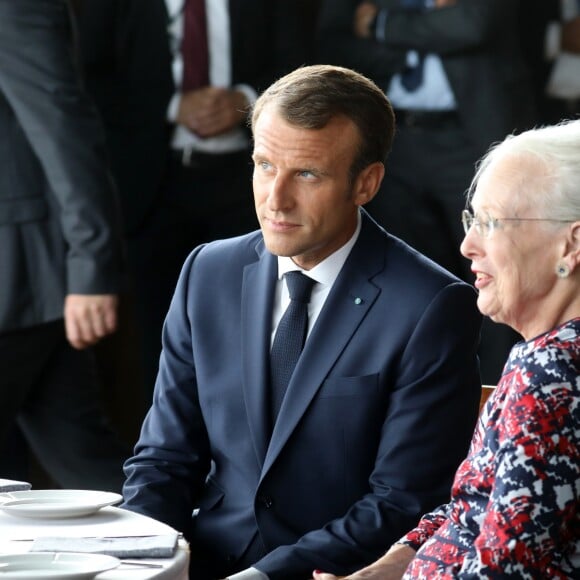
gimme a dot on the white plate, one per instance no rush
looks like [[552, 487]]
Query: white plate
[[56, 503], [40, 565]]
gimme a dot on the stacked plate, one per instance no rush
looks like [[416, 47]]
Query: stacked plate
[[56, 503], [42, 565]]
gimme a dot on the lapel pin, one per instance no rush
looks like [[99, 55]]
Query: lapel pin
[[358, 300]]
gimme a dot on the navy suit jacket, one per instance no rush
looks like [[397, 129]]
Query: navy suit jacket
[[377, 416]]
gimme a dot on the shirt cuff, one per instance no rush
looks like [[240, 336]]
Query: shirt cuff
[[380, 23], [553, 41], [250, 93], [413, 59], [173, 108], [249, 574], [405, 541]]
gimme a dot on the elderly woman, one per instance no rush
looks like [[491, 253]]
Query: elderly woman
[[515, 503]]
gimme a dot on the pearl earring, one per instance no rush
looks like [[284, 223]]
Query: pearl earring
[[562, 271]]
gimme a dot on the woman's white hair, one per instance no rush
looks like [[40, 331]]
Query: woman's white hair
[[557, 148]]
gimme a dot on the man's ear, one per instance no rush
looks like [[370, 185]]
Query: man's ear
[[368, 182]]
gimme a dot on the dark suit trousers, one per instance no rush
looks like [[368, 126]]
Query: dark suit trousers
[[421, 199], [49, 389]]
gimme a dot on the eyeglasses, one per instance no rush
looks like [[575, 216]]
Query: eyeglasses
[[485, 226]]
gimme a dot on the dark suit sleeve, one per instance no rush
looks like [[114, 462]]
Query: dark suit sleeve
[[127, 71], [172, 457], [467, 25], [420, 445], [337, 44], [39, 82]]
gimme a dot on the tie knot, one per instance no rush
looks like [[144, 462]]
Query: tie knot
[[299, 286]]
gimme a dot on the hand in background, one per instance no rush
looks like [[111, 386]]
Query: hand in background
[[366, 12], [88, 318], [210, 111], [363, 17], [571, 35]]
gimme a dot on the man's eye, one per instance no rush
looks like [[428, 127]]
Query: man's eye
[[306, 173]]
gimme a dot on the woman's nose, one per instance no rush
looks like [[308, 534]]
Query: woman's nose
[[470, 244]]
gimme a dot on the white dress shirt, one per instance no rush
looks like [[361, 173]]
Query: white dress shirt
[[564, 81], [220, 75], [434, 93], [324, 273]]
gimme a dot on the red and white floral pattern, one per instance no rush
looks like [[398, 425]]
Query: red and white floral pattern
[[515, 502]]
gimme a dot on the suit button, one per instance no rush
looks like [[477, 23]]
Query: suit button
[[266, 501]]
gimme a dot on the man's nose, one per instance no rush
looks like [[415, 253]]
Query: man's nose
[[279, 195]]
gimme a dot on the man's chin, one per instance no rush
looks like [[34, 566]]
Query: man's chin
[[279, 249]]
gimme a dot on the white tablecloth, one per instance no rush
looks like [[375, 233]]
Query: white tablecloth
[[17, 535]]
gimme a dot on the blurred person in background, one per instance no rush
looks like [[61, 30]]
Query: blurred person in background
[[61, 257], [550, 32]]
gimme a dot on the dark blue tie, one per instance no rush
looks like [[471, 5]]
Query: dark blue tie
[[412, 76], [290, 337]]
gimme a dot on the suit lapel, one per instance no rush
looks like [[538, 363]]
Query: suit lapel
[[257, 299], [349, 301]]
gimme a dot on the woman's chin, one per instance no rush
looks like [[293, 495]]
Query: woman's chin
[[488, 309]]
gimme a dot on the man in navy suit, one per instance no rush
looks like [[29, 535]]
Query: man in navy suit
[[61, 256], [382, 401]]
